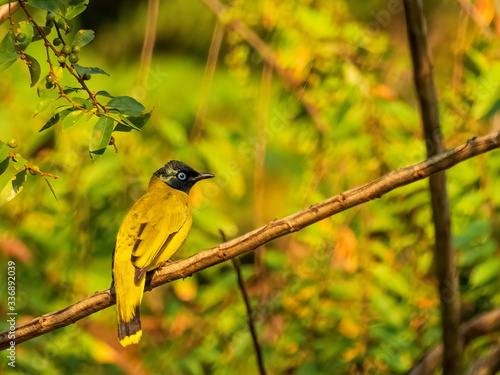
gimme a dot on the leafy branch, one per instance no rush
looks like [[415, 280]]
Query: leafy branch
[[42, 33], [15, 185], [253, 240], [120, 113]]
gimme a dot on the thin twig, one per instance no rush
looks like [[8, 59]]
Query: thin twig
[[43, 174], [32, 169], [251, 325], [444, 253], [252, 240]]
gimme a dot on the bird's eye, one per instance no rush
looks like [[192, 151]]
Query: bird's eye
[[181, 176]]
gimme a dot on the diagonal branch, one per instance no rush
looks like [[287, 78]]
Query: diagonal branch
[[271, 59], [252, 240], [479, 326], [444, 253], [488, 365]]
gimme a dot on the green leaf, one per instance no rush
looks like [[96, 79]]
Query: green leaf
[[13, 187], [4, 151], [3, 165], [19, 162], [122, 120], [495, 107], [485, 272], [48, 96], [26, 28], [53, 6], [83, 37], [137, 121], [69, 90], [83, 102], [81, 70], [101, 135], [51, 189], [58, 117], [8, 52], [34, 68], [71, 119], [74, 8], [126, 105], [104, 93]]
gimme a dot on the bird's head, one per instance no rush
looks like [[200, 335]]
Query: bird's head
[[180, 176]]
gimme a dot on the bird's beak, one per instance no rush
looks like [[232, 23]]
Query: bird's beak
[[202, 176]]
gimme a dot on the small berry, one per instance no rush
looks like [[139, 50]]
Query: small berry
[[50, 78], [73, 58], [61, 24], [61, 59], [21, 37], [49, 23], [76, 49], [49, 85], [57, 41], [86, 76], [12, 143], [51, 17], [66, 49], [34, 170]]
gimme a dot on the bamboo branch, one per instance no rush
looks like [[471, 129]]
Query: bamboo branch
[[252, 240], [444, 256], [479, 326], [206, 85]]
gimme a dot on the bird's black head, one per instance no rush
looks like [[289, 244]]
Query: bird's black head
[[180, 176]]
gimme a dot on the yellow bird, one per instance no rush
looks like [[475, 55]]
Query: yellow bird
[[153, 230]]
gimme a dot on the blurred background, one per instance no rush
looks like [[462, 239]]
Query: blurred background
[[353, 294]]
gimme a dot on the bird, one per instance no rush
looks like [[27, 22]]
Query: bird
[[154, 229]]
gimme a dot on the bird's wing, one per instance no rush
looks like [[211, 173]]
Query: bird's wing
[[156, 224]]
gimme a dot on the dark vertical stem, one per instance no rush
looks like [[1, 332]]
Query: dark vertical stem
[[251, 326], [444, 252]]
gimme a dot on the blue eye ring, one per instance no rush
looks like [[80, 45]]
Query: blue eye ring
[[181, 176]]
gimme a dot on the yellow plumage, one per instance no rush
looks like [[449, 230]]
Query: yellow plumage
[[153, 230]]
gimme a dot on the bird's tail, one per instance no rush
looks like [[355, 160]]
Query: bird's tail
[[128, 312]]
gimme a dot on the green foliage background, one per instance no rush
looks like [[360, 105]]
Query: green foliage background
[[352, 294]]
